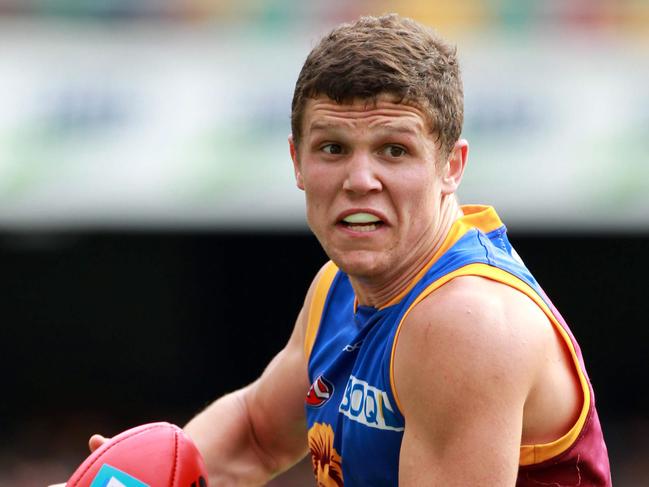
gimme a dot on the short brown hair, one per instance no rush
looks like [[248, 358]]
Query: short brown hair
[[385, 55]]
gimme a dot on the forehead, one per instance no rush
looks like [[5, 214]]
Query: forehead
[[323, 113]]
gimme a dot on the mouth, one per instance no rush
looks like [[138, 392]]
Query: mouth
[[362, 222]]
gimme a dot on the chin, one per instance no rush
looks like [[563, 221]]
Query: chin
[[359, 264]]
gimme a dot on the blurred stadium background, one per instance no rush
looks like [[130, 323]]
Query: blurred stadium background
[[152, 243]]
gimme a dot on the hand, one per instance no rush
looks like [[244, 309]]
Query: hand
[[94, 442]]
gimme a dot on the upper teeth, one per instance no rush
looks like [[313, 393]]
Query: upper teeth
[[361, 218]]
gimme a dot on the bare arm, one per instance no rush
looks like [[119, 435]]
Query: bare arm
[[251, 435], [464, 367]]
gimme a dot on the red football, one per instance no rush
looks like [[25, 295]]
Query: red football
[[151, 455]]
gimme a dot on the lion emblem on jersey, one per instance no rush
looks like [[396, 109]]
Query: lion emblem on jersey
[[327, 464]]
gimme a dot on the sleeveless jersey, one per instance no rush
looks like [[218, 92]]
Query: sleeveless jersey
[[353, 415]]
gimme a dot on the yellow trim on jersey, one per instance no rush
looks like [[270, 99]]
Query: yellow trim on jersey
[[317, 306], [483, 218], [529, 454]]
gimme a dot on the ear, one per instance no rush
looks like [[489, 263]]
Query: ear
[[296, 165], [454, 167]]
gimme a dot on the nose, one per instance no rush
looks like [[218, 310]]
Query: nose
[[361, 177]]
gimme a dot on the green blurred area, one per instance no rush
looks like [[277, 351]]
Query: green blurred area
[[121, 113]]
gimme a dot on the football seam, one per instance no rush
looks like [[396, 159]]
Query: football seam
[[175, 469], [111, 446]]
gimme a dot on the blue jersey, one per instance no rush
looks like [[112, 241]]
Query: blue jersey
[[353, 415]]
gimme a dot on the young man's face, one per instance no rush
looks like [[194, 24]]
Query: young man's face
[[373, 182]]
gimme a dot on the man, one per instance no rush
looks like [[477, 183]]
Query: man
[[429, 353]]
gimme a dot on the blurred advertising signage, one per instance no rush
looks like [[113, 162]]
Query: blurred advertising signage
[[161, 126]]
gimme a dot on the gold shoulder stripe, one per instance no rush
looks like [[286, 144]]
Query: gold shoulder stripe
[[529, 454], [317, 306]]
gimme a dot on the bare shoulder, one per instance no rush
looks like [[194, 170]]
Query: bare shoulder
[[472, 332], [466, 358], [479, 312]]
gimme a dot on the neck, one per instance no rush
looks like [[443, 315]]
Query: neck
[[377, 291]]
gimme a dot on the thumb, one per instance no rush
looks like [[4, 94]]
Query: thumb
[[96, 441]]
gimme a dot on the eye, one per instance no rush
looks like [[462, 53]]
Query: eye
[[394, 151], [332, 149]]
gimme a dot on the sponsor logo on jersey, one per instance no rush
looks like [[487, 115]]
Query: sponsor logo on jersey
[[111, 477], [320, 392], [351, 348], [368, 405]]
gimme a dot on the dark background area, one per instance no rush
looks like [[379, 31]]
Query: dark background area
[[103, 331]]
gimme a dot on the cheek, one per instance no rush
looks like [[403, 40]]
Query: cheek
[[416, 189], [317, 203], [320, 186]]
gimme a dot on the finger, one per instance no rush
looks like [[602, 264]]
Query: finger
[[95, 442]]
